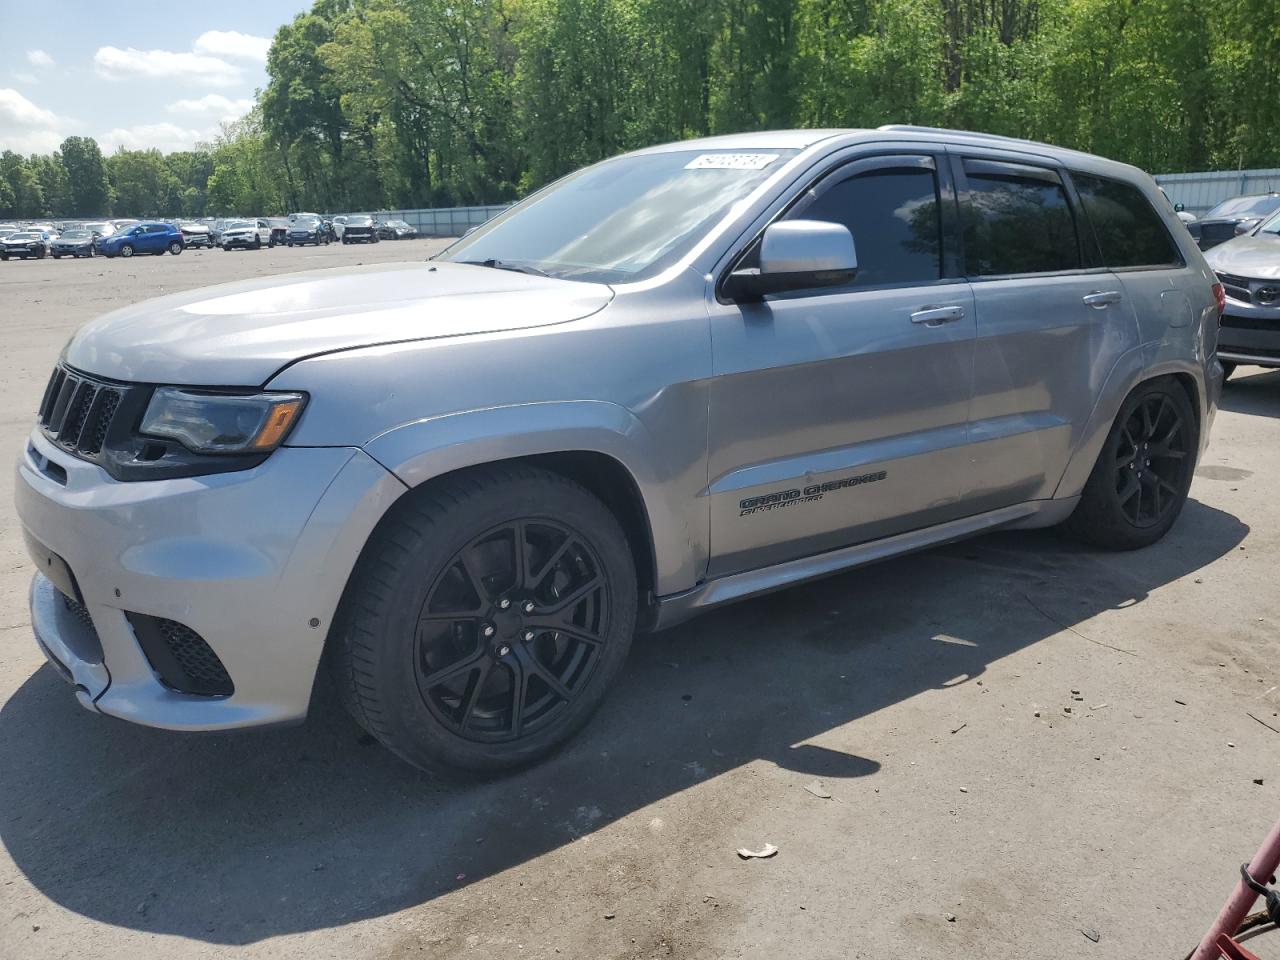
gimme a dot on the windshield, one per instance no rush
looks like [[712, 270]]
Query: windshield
[[1270, 227], [306, 222], [359, 221], [620, 220], [1244, 207], [76, 234], [25, 235], [239, 225], [397, 224]]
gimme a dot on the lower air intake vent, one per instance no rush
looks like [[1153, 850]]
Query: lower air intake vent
[[180, 657]]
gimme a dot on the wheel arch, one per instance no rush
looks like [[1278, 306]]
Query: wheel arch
[[598, 444], [1130, 372]]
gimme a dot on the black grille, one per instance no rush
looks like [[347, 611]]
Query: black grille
[[180, 657], [1237, 287], [87, 646], [77, 410]]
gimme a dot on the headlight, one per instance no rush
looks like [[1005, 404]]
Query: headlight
[[222, 423]]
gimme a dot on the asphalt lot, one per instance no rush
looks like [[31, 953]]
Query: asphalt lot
[[932, 696]]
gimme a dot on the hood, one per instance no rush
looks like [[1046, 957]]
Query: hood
[[240, 334], [1254, 257]]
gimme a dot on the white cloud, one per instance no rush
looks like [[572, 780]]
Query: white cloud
[[212, 106], [233, 43], [25, 127], [165, 137], [38, 58], [116, 64], [25, 76], [17, 110]]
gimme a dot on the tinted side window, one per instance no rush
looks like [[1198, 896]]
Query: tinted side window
[[1129, 231], [893, 215], [1016, 224]]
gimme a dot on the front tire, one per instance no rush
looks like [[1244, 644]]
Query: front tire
[[486, 620], [1140, 482], [127, 250]]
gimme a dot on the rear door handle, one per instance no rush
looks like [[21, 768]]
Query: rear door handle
[[934, 316], [1099, 299]]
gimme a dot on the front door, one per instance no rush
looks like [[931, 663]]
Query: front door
[[839, 415]]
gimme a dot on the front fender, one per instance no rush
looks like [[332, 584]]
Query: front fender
[[424, 449]]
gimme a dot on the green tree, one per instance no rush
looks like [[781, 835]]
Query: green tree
[[87, 176]]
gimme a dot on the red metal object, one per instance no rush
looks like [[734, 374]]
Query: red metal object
[[1233, 951], [1262, 867]]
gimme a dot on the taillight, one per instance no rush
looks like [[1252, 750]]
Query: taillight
[[1220, 295]]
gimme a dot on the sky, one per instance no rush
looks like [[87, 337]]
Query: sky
[[136, 75]]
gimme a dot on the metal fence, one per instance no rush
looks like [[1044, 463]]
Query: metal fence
[[1199, 192], [439, 221]]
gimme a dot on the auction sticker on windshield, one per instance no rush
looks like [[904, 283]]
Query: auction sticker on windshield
[[731, 161]]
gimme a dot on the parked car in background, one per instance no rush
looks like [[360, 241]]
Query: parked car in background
[[196, 235], [154, 237], [1249, 268], [360, 230], [396, 230], [337, 223], [8, 228], [246, 234], [100, 229], [306, 229], [467, 518], [279, 231], [76, 242], [26, 243], [1231, 218]]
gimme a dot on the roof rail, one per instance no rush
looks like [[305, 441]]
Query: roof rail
[[912, 128]]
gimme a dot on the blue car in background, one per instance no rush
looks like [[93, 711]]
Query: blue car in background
[[156, 238]]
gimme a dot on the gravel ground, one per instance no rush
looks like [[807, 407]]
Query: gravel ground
[[980, 807]]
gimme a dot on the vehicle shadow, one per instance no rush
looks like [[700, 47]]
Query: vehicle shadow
[[231, 839], [1258, 394]]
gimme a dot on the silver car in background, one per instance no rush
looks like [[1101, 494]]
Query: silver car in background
[[668, 381], [1249, 269]]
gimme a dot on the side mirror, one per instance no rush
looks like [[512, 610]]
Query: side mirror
[[796, 255]]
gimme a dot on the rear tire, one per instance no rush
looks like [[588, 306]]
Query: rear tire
[[410, 654], [175, 248], [1140, 481]]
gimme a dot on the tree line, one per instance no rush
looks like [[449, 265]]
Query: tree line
[[379, 104]]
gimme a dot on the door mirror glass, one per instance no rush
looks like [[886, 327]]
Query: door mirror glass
[[797, 255]]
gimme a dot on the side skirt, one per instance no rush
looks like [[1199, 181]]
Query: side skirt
[[678, 607]]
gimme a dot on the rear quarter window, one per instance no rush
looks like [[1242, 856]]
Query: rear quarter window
[[1129, 231]]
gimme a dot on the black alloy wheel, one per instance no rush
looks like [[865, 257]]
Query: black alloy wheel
[[1143, 474], [1151, 461], [511, 630], [488, 616]]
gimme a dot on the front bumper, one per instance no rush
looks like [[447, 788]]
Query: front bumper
[[1250, 333], [248, 560]]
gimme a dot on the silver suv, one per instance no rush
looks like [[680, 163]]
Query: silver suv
[[668, 381]]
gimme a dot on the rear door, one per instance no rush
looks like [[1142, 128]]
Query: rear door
[[839, 415], [1050, 323]]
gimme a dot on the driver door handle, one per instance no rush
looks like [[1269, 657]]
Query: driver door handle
[[1098, 299], [936, 316]]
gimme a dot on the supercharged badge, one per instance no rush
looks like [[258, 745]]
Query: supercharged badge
[[797, 495]]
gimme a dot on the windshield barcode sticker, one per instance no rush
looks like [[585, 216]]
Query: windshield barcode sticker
[[731, 161]]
